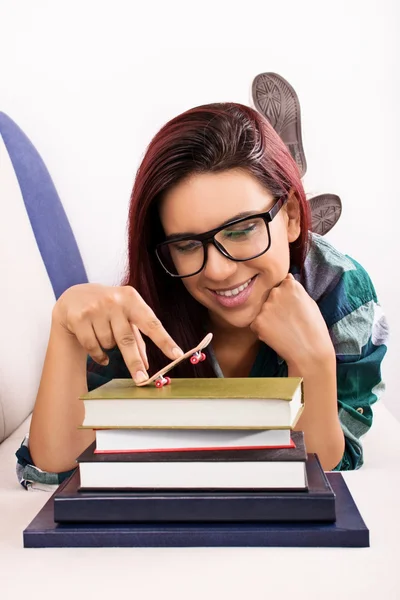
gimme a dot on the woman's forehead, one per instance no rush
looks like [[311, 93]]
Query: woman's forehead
[[205, 200]]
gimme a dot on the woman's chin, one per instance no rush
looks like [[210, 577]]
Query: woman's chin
[[240, 319]]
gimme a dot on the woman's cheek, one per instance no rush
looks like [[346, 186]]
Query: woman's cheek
[[191, 285]]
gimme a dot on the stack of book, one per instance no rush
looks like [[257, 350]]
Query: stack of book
[[198, 462], [195, 434]]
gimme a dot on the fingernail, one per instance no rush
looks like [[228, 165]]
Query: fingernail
[[177, 352], [105, 361], [140, 377]]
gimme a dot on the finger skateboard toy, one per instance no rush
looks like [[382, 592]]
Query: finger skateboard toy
[[195, 354]]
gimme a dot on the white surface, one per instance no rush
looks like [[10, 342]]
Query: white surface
[[213, 573], [91, 82]]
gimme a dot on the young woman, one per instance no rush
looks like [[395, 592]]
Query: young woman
[[219, 241]]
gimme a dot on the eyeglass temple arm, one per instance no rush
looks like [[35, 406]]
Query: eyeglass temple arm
[[277, 206]]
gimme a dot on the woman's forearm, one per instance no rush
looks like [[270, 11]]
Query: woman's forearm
[[319, 420], [54, 439]]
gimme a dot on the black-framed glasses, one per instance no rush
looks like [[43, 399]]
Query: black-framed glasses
[[239, 240]]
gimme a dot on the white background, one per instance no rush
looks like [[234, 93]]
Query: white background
[[91, 82]]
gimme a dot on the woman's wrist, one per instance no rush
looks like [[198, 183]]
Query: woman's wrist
[[313, 363]]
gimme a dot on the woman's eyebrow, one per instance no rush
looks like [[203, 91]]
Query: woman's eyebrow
[[179, 234]]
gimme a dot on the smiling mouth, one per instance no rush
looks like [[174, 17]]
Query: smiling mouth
[[234, 291]]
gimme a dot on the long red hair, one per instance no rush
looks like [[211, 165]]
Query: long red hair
[[210, 138]]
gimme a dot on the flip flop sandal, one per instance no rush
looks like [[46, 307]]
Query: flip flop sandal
[[275, 98], [325, 212]]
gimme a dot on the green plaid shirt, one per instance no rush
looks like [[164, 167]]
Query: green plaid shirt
[[348, 303]]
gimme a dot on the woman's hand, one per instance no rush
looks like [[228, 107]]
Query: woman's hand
[[103, 317], [291, 323]]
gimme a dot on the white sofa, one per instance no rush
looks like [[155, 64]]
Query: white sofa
[[38, 259]]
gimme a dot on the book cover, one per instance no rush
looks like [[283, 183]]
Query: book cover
[[282, 388], [316, 504], [349, 530]]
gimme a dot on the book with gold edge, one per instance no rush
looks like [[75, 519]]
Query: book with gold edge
[[220, 403]]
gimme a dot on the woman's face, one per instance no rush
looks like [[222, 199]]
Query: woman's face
[[205, 201]]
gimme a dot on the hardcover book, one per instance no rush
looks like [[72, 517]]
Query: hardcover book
[[233, 403], [152, 440], [113, 506], [349, 530], [270, 468]]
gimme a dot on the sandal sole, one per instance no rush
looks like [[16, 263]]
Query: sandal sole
[[275, 98], [325, 212]]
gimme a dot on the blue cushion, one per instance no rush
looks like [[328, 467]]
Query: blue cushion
[[50, 225]]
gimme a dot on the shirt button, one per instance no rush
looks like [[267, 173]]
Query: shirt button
[[360, 410]]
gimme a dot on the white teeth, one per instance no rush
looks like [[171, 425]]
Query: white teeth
[[234, 292]]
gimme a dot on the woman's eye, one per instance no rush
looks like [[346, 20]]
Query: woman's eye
[[233, 234], [189, 246]]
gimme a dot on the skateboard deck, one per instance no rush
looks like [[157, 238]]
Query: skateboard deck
[[195, 354]]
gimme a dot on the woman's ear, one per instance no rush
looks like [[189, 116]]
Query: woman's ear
[[293, 212]]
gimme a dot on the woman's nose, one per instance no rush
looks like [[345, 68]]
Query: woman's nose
[[218, 267]]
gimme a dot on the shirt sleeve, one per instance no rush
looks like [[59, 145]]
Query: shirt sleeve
[[360, 341], [33, 478]]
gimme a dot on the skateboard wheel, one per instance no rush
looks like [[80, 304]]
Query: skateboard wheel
[[159, 383], [167, 380], [194, 359], [202, 356]]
